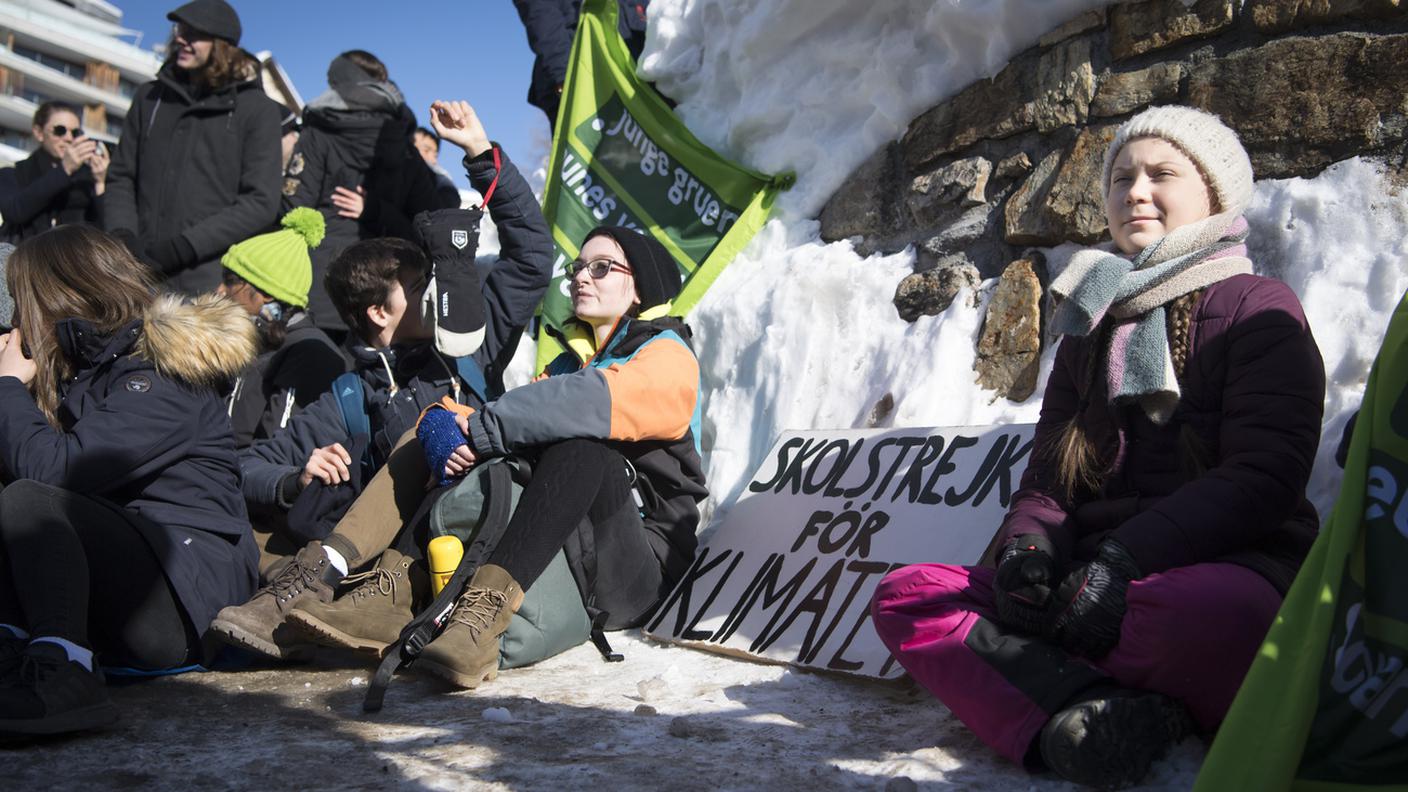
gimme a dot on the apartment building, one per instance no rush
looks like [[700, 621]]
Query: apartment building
[[75, 50]]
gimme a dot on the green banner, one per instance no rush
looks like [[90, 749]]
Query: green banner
[[621, 157], [1325, 704]]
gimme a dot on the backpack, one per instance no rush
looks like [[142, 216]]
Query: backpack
[[553, 617]]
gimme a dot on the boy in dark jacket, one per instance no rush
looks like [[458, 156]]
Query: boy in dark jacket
[[378, 285], [198, 168], [355, 163]]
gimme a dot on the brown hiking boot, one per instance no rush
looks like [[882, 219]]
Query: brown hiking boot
[[259, 625], [369, 617], [467, 652]]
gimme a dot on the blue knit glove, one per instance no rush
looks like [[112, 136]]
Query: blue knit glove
[[439, 436]]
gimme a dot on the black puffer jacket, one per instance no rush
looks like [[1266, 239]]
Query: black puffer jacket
[[363, 144], [144, 428], [205, 166], [37, 195], [283, 381]]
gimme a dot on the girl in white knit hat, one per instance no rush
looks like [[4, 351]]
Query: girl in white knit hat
[[1163, 513]]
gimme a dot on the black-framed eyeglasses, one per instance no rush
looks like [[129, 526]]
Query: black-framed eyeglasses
[[597, 268], [59, 130]]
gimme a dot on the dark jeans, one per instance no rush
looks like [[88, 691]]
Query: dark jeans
[[580, 500], [78, 568]]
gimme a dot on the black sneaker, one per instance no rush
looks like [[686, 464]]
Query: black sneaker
[[11, 650], [1110, 741], [50, 694]]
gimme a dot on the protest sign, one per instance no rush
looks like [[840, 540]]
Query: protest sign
[[621, 157], [788, 574], [1325, 704]]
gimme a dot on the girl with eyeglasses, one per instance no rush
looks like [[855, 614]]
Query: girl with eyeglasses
[[61, 182], [611, 427]]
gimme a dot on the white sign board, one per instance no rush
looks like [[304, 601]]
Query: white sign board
[[789, 573]]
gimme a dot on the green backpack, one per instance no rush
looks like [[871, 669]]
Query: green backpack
[[552, 618]]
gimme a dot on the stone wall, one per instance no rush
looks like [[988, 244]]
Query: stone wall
[[1014, 162]]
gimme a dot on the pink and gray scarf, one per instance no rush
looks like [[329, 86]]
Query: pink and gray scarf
[[1133, 293]]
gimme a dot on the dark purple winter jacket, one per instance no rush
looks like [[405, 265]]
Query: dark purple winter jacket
[[1253, 394]]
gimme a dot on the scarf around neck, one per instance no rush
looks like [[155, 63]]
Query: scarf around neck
[[1133, 292]]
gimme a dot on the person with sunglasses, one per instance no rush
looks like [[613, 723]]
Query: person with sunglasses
[[61, 182], [611, 427], [199, 165]]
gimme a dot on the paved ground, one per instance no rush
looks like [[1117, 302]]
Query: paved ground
[[667, 718]]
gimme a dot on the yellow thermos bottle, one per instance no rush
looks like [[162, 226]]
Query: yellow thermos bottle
[[445, 555]]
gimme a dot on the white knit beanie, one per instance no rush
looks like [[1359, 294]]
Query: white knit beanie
[[1205, 139]]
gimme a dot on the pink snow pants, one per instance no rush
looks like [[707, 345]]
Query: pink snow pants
[[1189, 633]]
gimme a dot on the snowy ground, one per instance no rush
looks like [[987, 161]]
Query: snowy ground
[[666, 718]]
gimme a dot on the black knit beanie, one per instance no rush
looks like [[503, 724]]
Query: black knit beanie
[[656, 273], [213, 17]]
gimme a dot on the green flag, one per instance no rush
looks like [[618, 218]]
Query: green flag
[[621, 157], [1325, 704]]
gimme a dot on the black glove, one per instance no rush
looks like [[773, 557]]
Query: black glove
[[172, 254], [1026, 571], [1089, 605], [450, 238]]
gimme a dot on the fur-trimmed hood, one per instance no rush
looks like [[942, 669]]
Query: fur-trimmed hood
[[206, 341]]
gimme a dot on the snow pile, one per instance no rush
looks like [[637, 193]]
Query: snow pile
[[815, 86], [799, 334], [1340, 240]]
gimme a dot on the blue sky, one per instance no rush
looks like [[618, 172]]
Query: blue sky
[[434, 49]]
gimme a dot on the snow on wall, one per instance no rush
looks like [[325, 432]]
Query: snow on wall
[[799, 334]]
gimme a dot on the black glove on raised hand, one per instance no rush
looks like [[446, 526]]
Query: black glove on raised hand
[[1089, 605], [450, 238], [1026, 571]]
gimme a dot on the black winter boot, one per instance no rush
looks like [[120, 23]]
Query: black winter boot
[[50, 694], [1110, 739]]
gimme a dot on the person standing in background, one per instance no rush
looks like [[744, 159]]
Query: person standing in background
[[198, 167], [358, 166], [427, 143], [550, 25], [59, 183]]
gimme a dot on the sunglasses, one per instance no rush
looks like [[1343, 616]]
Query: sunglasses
[[59, 130], [597, 268], [187, 33]]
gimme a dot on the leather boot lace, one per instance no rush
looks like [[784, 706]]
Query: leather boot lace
[[478, 608], [295, 578], [375, 581]]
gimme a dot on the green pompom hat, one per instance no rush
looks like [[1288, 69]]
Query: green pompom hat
[[277, 263]]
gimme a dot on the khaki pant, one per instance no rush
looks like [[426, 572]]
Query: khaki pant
[[371, 523]]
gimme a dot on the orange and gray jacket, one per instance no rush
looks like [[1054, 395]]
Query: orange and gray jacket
[[639, 394]]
